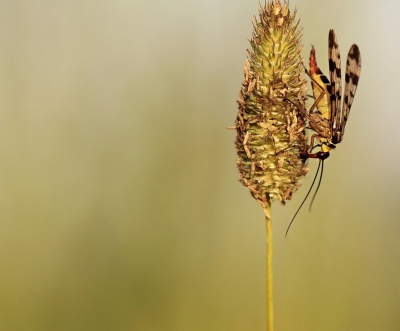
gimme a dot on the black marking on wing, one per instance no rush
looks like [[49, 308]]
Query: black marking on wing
[[353, 69], [335, 74]]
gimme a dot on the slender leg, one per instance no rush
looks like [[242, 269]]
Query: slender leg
[[320, 96]]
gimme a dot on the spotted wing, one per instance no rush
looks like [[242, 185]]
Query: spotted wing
[[335, 74], [353, 69]]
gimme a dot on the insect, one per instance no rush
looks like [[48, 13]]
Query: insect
[[330, 118], [328, 115]]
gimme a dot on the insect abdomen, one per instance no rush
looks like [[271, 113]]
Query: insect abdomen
[[316, 73]]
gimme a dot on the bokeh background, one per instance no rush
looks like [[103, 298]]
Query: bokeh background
[[119, 202]]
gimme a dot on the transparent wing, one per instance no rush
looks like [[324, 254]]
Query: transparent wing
[[353, 69], [335, 74]]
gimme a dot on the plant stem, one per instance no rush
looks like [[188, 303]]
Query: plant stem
[[269, 275]]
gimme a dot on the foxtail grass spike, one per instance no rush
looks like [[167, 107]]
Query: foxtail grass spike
[[270, 126]]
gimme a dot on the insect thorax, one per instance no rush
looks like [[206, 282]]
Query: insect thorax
[[327, 146]]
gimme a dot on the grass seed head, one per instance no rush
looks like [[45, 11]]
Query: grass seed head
[[270, 126]]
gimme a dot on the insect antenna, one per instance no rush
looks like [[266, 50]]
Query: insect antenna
[[304, 200], [319, 184]]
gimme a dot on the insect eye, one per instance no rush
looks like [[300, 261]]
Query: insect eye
[[323, 155]]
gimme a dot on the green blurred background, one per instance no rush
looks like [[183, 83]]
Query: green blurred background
[[119, 202]]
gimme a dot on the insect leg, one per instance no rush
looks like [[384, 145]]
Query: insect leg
[[323, 91]]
